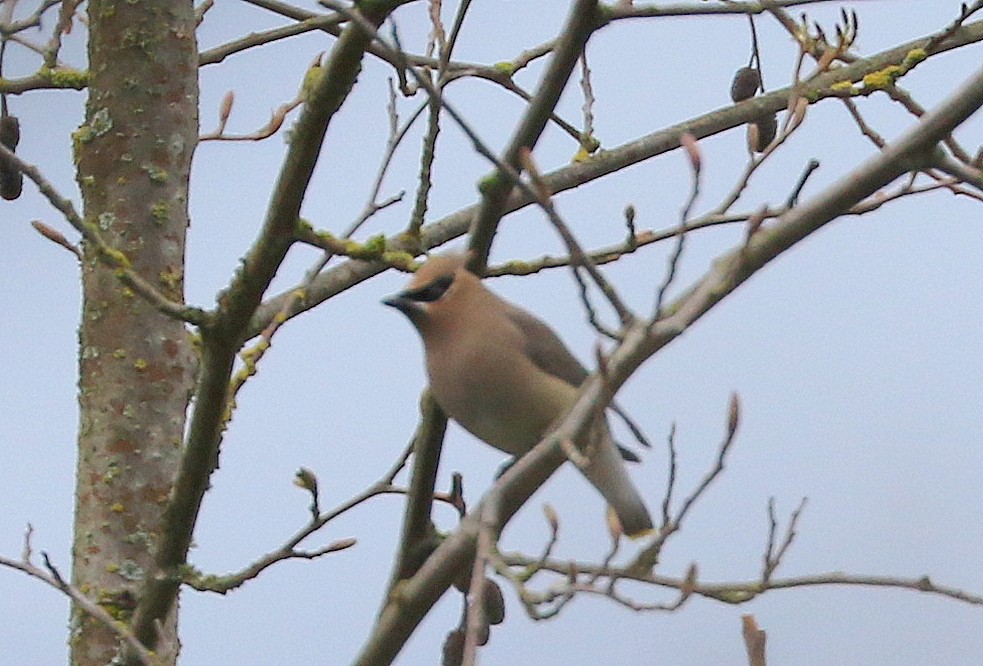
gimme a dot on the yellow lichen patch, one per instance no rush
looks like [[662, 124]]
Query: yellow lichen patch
[[329, 241], [250, 355], [115, 257], [506, 68], [160, 211], [913, 57], [590, 143], [312, 80], [119, 605], [112, 471], [117, 508], [883, 78], [156, 173], [582, 155], [229, 409], [370, 250], [488, 183], [401, 260], [65, 77], [735, 596], [170, 279], [518, 267]]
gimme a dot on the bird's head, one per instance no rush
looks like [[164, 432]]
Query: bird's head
[[438, 288]]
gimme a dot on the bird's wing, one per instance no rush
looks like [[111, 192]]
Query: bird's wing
[[548, 353], [545, 349]]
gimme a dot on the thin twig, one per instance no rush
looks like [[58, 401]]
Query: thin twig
[[740, 592], [57, 238], [544, 197], [961, 171], [110, 257], [793, 197], [383, 486], [688, 141], [649, 556], [476, 621], [671, 481], [52, 577], [774, 552]]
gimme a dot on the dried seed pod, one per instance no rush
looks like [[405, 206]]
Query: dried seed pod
[[746, 82], [11, 182], [11, 179], [9, 132], [494, 602], [463, 579], [762, 132], [453, 648], [484, 632]]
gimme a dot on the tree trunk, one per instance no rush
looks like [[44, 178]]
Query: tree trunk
[[136, 365]]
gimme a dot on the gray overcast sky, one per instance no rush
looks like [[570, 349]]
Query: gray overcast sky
[[857, 357]]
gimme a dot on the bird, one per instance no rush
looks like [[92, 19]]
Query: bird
[[505, 375]]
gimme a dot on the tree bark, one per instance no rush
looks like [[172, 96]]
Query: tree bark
[[136, 365]]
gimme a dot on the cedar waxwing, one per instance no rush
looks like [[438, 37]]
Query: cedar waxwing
[[505, 375]]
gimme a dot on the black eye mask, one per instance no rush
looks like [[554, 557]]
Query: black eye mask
[[431, 291]]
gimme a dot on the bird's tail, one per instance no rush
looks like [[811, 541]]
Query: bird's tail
[[606, 471]]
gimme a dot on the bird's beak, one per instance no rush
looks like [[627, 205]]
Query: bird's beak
[[402, 303]]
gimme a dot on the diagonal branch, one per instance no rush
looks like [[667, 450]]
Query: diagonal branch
[[348, 274], [496, 189]]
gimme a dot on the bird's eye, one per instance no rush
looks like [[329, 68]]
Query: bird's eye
[[433, 290]]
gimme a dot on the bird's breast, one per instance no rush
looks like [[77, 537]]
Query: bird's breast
[[497, 394]]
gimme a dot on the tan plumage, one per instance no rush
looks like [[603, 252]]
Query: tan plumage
[[505, 375]]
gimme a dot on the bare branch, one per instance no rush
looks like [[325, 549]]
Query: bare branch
[[496, 190], [252, 40], [689, 143], [383, 486], [775, 552], [671, 481], [417, 526], [961, 171], [702, 9], [348, 274], [744, 591], [545, 201]]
